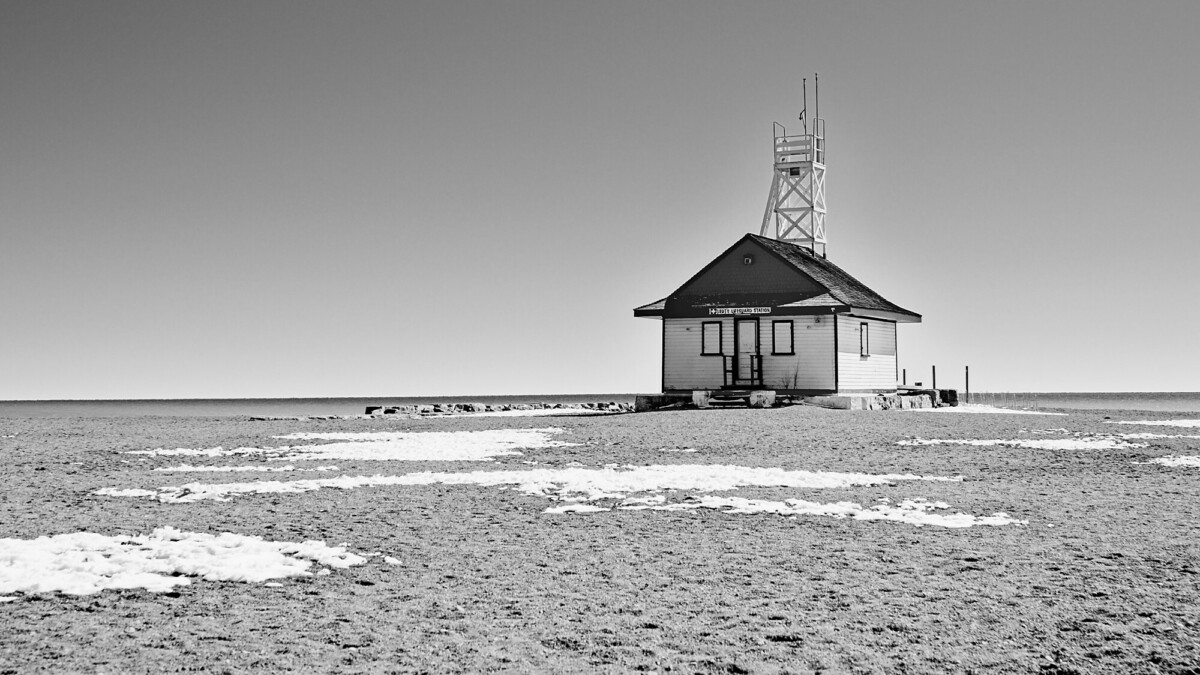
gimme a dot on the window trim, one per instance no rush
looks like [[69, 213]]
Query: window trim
[[704, 347], [864, 339], [791, 347]]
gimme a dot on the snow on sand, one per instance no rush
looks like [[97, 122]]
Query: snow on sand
[[82, 563], [982, 409], [187, 468], [1176, 460], [577, 484], [1164, 423], [572, 482], [1094, 443], [912, 511], [639, 487], [444, 446]]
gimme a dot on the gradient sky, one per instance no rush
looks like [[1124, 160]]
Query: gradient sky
[[249, 199]]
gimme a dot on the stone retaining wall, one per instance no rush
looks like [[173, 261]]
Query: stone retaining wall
[[867, 402]]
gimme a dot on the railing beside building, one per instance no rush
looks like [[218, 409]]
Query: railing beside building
[[732, 379]]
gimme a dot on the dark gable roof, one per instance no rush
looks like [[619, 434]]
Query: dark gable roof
[[843, 291], [841, 286]]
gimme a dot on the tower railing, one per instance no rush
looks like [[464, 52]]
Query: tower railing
[[801, 149]]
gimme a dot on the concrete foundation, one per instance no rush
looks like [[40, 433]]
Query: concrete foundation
[[647, 402], [762, 399], [871, 401]]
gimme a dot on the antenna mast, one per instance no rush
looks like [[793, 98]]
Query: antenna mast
[[804, 110], [796, 205]]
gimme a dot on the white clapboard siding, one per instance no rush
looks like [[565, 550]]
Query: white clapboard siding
[[863, 373], [683, 365], [876, 372], [812, 365]]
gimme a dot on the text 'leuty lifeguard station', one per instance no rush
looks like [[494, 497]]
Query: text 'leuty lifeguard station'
[[772, 313]]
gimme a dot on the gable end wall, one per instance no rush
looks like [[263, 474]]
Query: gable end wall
[[768, 274]]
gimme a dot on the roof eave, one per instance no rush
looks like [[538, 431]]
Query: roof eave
[[898, 317], [652, 309]]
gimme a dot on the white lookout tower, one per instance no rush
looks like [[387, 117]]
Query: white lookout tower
[[796, 206]]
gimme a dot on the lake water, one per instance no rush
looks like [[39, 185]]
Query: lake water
[[1182, 402]]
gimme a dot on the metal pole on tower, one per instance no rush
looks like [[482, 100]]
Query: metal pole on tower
[[804, 110]]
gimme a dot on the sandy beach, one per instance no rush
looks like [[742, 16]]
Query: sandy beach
[[790, 540]]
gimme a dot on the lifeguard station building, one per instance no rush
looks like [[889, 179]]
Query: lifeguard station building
[[772, 312]]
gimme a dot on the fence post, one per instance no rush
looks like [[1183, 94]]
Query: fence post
[[968, 382], [935, 377]]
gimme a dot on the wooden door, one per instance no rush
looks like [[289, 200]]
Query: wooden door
[[746, 335]]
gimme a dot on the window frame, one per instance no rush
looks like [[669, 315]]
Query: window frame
[[704, 346], [791, 346], [864, 339]]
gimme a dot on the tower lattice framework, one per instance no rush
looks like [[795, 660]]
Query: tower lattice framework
[[796, 205]]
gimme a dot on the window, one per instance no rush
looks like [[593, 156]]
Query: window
[[864, 342], [710, 338], [781, 338]]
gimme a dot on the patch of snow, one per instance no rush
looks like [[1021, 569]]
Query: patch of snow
[[916, 512], [554, 483], [391, 561], [198, 452], [575, 508], [678, 450], [651, 500], [1094, 443], [9, 598], [237, 469], [1162, 423], [1149, 436], [982, 409], [444, 446], [130, 492], [82, 563], [1175, 460]]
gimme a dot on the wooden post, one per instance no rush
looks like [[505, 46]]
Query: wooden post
[[968, 382], [935, 377], [904, 377]]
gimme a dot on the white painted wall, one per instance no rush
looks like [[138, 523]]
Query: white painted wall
[[810, 368], [864, 373], [683, 365]]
